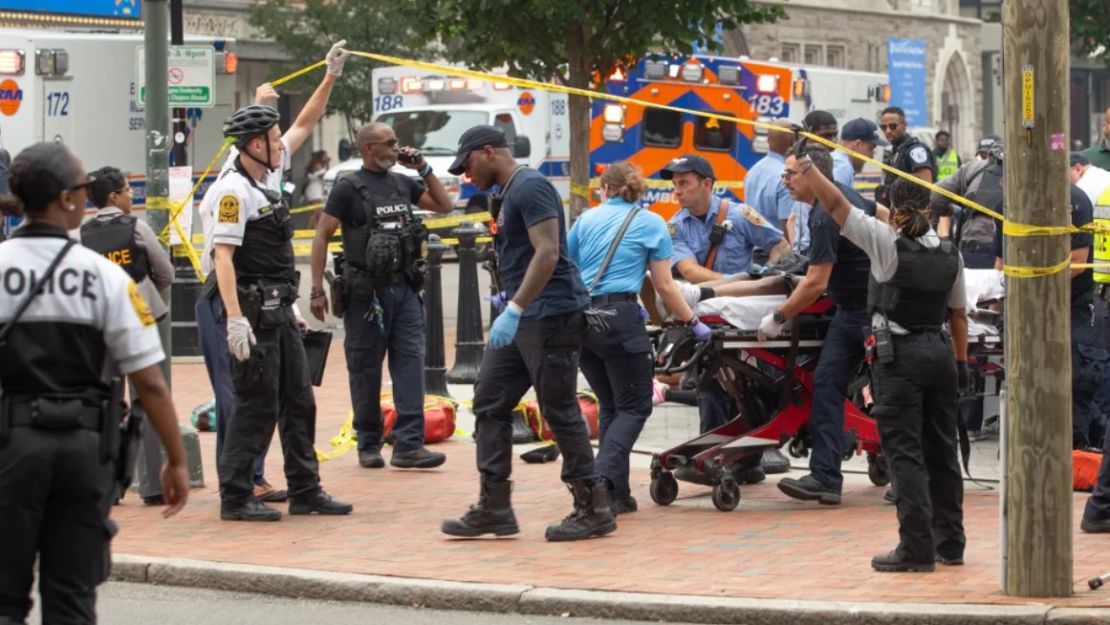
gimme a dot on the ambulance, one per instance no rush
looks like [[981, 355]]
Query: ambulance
[[82, 89], [431, 112]]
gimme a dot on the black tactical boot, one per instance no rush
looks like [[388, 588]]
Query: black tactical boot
[[252, 510], [809, 488], [493, 514], [897, 562], [320, 503], [591, 516]]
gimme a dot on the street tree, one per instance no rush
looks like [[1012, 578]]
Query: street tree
[[1089, 32], [307, 28], [578, 43]]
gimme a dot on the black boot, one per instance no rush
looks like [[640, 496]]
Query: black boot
[[320, 503], [493, 514], [252, 510], [898, 562], [591, 517]]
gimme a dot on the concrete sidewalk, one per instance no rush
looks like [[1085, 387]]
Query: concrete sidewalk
[[773, 560]]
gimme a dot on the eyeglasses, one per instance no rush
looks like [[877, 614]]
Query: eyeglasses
[[81, 186], [787, 174], [893, 126], [127, 189]]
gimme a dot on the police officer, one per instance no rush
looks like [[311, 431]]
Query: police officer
[[906, 153], [130, 243], [948, 161], [210, 309], [918, 369], [66, 313], [616, 356], [384, 246], [539, 332], [836, 265], [257, 280]]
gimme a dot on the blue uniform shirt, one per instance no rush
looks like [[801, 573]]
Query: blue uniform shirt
[[530, 200], [747, 231], [645, 240], [843, 172], [764, 190]]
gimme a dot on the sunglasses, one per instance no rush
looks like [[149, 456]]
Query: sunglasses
[[82, 185], [890, 126]]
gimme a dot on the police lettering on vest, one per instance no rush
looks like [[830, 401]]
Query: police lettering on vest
[[392, 243], [115, 239]]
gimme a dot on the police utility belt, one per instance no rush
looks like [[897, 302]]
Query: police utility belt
[[267, 303]]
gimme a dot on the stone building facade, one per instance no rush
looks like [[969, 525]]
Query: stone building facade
[[853, 34]]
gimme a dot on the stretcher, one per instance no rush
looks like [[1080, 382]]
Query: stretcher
[[772, 383]]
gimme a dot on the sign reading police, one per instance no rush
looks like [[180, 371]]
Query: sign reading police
[[192, 72], [119, 9]]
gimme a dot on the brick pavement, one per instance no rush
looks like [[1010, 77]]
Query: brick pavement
[[770, 547]]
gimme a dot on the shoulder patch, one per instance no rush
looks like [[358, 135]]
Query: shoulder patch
[[229, 209], [919, 154], [139, 304], [672, 228], [752, 215]]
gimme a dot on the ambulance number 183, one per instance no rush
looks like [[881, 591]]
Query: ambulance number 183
[[767, 104]]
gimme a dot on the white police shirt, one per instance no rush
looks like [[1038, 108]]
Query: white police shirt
[[232, 201], [89, 323]]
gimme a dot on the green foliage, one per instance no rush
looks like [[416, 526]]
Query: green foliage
[[1089, 29], [534, 38], [306, 30]]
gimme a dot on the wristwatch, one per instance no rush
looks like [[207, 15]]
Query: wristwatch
[[778, 317]]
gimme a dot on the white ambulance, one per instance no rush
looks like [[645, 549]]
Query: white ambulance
[[81, 89]]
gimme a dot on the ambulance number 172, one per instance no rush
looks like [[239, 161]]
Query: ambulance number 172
[[767, 104]]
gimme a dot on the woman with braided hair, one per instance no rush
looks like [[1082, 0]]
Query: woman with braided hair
[[917, 366]]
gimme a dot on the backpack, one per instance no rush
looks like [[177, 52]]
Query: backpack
[[974, 232]]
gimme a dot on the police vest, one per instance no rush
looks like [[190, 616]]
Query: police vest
[[267, 249], [115, 239], [392, 244], [916, 297], [974, 233], [1102, 238], [947, 164]]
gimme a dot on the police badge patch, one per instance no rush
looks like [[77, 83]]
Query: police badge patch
[[229, 210], [672, 228], [919, 155]]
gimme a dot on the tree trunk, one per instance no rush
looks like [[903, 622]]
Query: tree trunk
[[1038, 473], [578, 108]]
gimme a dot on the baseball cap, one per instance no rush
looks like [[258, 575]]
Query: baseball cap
[[687, 162], [986, 142], [861, 129], [1079, 158], [476, 138]]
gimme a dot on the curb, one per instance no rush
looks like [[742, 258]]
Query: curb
[[525, 599]]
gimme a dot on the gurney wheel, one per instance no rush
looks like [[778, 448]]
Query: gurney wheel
[[664, 489], [877, 471], [726, 496]]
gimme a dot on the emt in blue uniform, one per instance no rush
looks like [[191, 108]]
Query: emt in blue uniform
[[616, 355]]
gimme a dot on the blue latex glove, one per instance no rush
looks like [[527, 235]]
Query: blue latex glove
[[643, 314], [504, 328], [701, 331], [497, 301]]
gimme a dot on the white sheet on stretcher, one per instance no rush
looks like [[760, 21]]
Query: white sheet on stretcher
[[745, 313]]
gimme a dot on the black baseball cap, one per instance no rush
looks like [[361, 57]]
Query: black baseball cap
[[688, 162], [1079, 158], [862, 129], [474, 139]]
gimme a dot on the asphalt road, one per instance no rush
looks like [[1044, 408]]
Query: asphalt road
[[142, 604]]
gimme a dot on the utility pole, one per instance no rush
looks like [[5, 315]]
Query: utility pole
[[1037, 512], [156, 16]]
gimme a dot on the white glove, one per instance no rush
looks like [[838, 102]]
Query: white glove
[[240, 338], [336, 57], [768, 329]]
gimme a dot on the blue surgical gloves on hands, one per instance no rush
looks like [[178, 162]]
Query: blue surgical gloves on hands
[[701, 331], [504, 327], [497, 301]]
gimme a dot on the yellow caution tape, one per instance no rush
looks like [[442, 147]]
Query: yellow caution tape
[[305, 209], [342, 442], [1035, 272], [582, 191]]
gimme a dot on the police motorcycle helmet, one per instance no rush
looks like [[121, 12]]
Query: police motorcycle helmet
[[249, 122]]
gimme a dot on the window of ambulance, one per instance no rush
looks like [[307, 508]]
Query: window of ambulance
[[435, 133], [661, 128], [714, 135]]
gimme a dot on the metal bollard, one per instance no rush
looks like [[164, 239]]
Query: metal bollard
[[435, 365], [469, 339]]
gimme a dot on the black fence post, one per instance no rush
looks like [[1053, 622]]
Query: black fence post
[[435, 364], [469, 339]]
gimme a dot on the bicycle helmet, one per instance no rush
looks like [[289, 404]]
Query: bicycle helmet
[[250, 121]]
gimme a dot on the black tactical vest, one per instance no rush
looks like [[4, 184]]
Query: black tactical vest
[[267, 249], [898, 158], [115, 239], [393, 243], [916, 297]]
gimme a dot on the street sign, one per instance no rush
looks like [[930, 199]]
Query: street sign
[[191, 76]]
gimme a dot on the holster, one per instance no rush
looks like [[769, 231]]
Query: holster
[[881, 342], [250, 303], [119, 434], [337, 285]]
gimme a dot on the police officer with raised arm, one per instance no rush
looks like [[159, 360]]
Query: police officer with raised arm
[[257, 279], [918, 368], [130, 243], [210, 309], [841, 268], [384, 246], [71, 323], [534, 342]]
